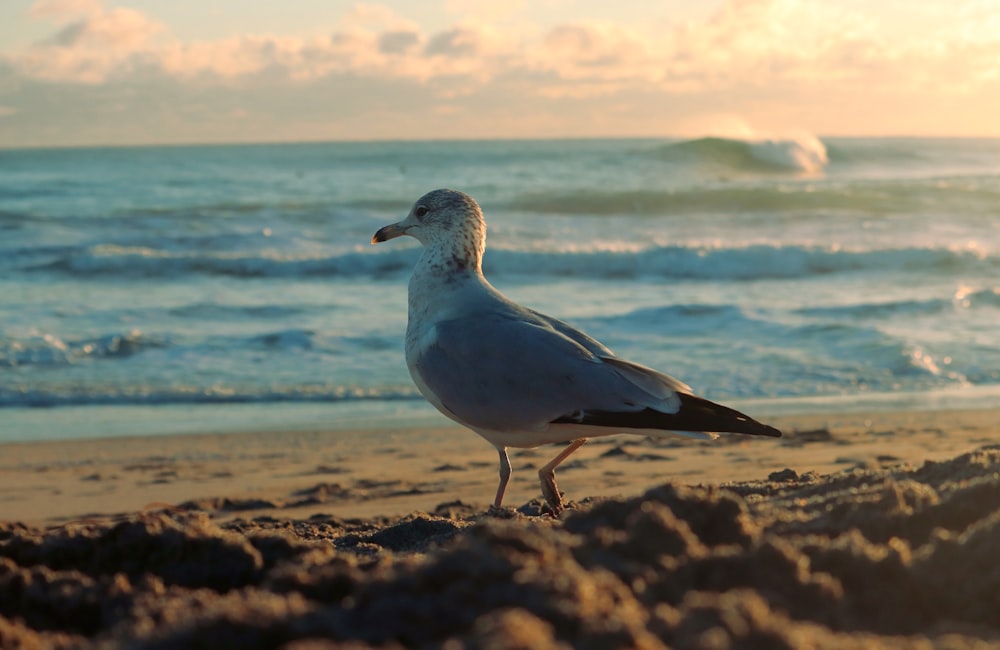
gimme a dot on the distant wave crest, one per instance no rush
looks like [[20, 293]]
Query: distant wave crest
[[802, 153], [760, 261], [122, 395], [930, 306], [131, 261], [50, 350], [874, 197]]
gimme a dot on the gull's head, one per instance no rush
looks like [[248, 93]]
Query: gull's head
[[445, 220]]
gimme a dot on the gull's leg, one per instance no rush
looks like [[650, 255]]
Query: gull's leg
[[547, 475], [504, 476]]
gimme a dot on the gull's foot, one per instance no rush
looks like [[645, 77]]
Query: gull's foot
[[551, 493], [553, 510], [500, 512]]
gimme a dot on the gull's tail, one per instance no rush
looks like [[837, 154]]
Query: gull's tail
[[694, 414]]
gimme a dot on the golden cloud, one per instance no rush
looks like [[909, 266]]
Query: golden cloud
[[763, 43]]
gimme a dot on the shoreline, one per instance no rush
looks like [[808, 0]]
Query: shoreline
[[394, 471], [96, 421]]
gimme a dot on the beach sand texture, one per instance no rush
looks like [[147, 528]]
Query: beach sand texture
[[855, 530]]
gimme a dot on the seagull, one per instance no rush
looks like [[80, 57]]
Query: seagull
[[517, 377]]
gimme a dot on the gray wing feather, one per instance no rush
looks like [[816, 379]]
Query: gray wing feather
[[504, 373], [567, 330], [658, 385]]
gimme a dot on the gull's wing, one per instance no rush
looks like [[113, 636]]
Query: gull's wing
[[677, 409], [656, 382], [503, 371]]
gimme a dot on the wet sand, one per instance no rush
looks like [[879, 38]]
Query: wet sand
[[857, 530]]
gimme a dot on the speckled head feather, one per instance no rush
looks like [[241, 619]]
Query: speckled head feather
[[451, 227], [448, 208]]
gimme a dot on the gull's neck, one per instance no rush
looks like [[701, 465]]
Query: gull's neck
[[460, 249], [444, 268]]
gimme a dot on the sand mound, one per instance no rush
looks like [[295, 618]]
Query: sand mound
[[894, 558]]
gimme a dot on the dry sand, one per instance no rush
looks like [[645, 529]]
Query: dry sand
[[870, 530]]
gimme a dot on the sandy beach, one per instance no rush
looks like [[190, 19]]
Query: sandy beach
[[854, 530]]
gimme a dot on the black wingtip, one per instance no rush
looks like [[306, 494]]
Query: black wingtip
[[695, 414], [767, 430]]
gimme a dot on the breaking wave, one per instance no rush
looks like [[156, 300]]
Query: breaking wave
[[144, 395], [803, 153], [762, 261], [50, 350]]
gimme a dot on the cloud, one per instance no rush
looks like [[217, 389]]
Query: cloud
[[746, 42], [398, 42], [96, 44], [374, 18], [485, 9], [101, 44], [118, 28], [802, 61], [594, 49], [458, 42], [56, 9]]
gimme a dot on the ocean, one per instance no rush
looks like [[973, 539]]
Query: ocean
[[153, 290]]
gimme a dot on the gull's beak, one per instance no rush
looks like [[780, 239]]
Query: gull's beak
[[388, 232]]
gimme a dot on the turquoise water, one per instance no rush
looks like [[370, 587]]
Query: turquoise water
[[150, 290]]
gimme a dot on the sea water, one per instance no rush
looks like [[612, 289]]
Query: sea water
[[210, 288]]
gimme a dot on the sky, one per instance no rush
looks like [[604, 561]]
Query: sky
[[107, 72]]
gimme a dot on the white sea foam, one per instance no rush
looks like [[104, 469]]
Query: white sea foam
[[803, 152], [759, 261]]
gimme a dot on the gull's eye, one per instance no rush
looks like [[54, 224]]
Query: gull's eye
[[421, 211]]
